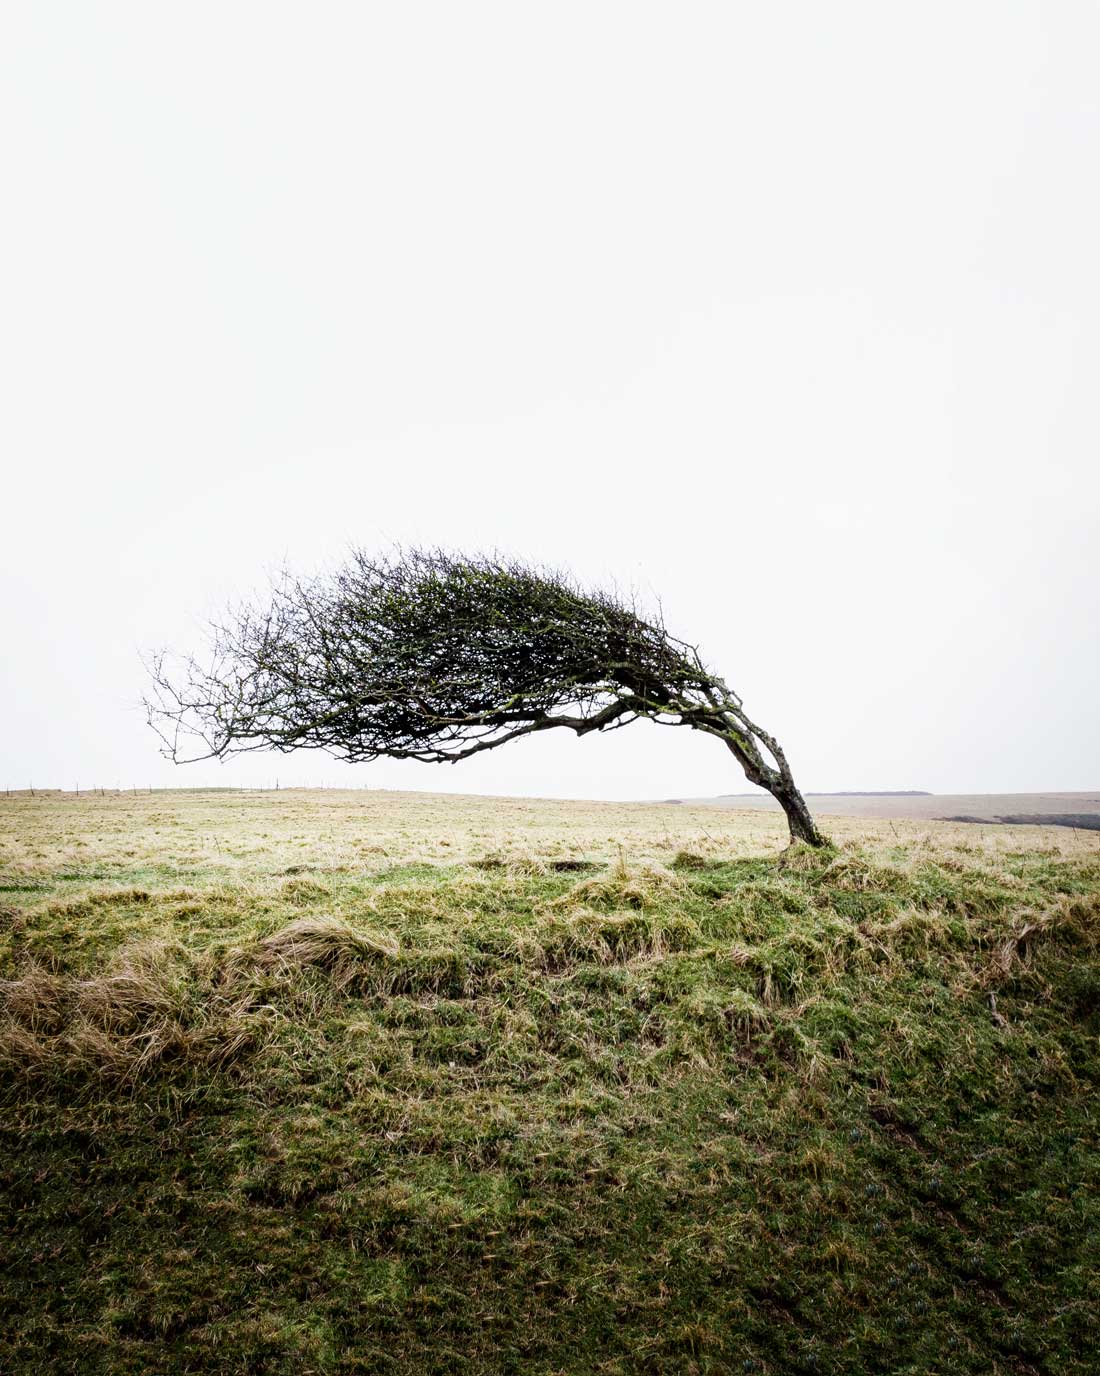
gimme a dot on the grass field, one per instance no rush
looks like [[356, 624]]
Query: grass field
[[363, 1082]]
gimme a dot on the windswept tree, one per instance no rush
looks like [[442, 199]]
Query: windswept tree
[[424, 655]]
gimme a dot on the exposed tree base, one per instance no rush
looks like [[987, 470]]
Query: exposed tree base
[[799, 819]]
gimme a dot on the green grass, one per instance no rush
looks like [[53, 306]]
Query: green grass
[[348, 1102]]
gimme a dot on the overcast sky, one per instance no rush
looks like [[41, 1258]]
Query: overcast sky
[[786, 314]]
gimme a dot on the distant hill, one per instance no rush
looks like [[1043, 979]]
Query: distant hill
[[853, 793], [1080, 810]]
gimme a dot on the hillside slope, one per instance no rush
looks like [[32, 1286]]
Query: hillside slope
[[383, 1083]]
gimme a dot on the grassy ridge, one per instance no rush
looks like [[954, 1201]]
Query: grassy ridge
[[350, 1086]]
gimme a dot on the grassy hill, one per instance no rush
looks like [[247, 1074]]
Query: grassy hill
[[371, 1082]]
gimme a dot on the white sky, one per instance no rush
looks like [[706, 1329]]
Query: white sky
[[788, 314]]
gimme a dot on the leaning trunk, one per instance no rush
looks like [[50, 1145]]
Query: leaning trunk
[[799, 819], [742, 740]]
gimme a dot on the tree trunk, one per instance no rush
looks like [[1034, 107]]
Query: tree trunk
[[727, 721], [799, 819], [779, 782]]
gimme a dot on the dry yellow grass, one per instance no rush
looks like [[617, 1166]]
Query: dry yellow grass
[[245, 835]]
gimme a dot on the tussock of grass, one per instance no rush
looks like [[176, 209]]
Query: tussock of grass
[[589, 935], [146, 982], [690, 860], [853, 873], [910, 930], [518, 864], [146, 1009], [639, 887], [329, 942], [711, 1027], [36, 999], [1073, 921], [303, 892], [87, 903], [211, 1042], [266, 1108], [527, 864]]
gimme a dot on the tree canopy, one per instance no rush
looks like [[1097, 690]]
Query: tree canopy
[[432, 656]]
